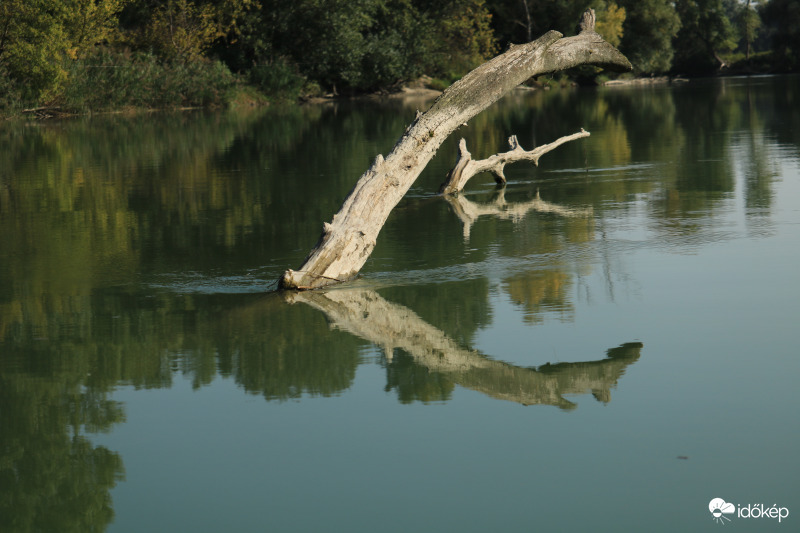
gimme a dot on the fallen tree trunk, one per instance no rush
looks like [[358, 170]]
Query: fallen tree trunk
[[466, 167], [348, 240]]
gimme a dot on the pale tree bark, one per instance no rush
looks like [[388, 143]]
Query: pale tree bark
[[468, 211], [365, 314], [466, 167], [348, 240]]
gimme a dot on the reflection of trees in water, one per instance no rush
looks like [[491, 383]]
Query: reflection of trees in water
[[271, 349], [729, 127], [541, 228], [757, 156], [52, 478], [53, 390], [283, 352], [542, 292]]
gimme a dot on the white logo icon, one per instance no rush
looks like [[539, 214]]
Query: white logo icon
[[719, 508]]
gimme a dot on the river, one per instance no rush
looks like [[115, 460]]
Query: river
[[609, 343]]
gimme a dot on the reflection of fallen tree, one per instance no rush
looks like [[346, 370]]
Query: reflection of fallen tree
[[468, 212], [366, 314]]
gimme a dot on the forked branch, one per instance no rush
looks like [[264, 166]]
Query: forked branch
[[466, 167]]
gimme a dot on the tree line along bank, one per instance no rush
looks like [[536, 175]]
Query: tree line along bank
[[94, 55]]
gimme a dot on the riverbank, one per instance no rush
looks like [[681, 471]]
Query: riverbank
[[235, 93]]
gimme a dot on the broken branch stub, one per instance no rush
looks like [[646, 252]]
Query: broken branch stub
[[348, 240], [466, 167]]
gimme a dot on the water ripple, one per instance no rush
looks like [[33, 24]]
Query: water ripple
[[199, 283]]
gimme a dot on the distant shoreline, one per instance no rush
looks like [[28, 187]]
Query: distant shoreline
[[417, 92]]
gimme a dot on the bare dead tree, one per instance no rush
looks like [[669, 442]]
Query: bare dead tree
[[348, 240]]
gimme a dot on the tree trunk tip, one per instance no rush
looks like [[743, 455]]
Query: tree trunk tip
[[587, 21]]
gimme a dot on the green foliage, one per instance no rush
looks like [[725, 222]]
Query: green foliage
[[328, 39], [397, 47], [182, 30], [10, 92], [33, 40], [650, 26], [280, 78], [520, 21], [360, 45], [610, 22], [706, 33], [89, 22], [463, 35], [39, 35], [165, 52], [748, 23], [112, 80], [780, 19]]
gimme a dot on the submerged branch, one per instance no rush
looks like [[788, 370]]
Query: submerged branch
[[466, 167]]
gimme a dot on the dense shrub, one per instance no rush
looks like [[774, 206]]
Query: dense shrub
[[279, 79], [112, 80], [10, 93], [781, 18]]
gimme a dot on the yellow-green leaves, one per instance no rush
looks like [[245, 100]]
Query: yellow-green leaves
[[37, 37], [183, 30], [89, 22], [610, 18]]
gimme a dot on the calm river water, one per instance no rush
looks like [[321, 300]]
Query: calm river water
[[608, 344]]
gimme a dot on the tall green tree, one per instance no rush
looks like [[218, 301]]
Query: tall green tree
[[512, 20], [650, 26], [346, 45], [462, 38], [89, 22], [610, 21], [182, 30], [781, 21], [38, 36], [706, 33], [33, 41], [749, 25], [520, 21]]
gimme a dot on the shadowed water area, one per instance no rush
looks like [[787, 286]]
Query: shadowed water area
[[607, 344]]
